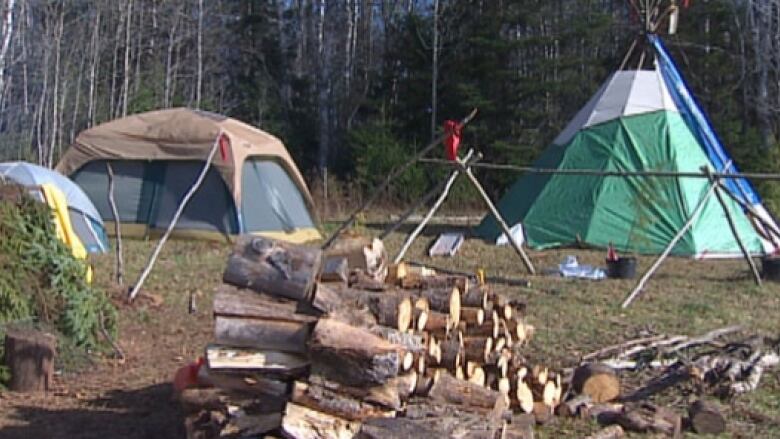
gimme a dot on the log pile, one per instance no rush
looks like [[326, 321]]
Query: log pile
[[307, 348]]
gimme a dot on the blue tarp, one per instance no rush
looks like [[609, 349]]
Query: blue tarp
[[699, 124]]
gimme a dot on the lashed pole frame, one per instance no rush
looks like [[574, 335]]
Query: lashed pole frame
[[497, 215], [445, 191], [714, 181], [694, 215], [393, 175]]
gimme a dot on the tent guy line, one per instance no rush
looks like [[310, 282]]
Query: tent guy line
[[669, 174]]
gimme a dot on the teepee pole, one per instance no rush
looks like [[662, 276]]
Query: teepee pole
[[771, 229], [443, 196], [733, 227], [641, 284]]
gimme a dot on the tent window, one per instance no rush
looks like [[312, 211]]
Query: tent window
[[211, 208], [270, 200], [132, 192], [149, 192]]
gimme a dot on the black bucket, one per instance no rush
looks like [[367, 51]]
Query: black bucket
[[623, 268], [770, 267]]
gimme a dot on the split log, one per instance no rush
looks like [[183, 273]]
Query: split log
[[391, 395], [411, 342], [449, 390], [234, 302], [611, 432], [412, 281], [488, 328], [300, 422], [574, 406], [451, 357], [597, 381], [268, 362], [524, 395], [328, 401], [29, 355], [706, 418], [273, 267], [362, 281], [353, 356], [396, 272], [474, 296], [252, 425], [362, 253], [651, 418], [390, 308], [195, 400], [542, 412], [425, 382], [472, 316], [446, 300], [272, 390], [279, 335], [477, 348], [335, 269]]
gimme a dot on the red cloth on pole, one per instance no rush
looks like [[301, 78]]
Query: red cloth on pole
[[224, 147], [686, 3], [453, 130]]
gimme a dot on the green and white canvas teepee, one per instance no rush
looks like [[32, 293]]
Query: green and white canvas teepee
[[630, 124]]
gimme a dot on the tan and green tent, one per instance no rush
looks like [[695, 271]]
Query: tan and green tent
[[253, 185]]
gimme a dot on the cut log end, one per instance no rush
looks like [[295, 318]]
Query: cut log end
[[598, 381]]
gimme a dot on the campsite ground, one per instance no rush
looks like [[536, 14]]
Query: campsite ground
[[132, 399]]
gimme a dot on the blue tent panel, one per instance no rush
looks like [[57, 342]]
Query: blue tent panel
[[699, 124]]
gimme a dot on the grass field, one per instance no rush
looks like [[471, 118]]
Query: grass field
[[132, 398]]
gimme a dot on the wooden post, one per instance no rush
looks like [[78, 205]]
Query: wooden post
[[184, 201], [393, 175], [443, 196], [119, 265], [733, 227], [638, 289], [30, 356], [526, 260]]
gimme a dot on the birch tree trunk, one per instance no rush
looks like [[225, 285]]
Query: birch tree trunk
[[7, 34]]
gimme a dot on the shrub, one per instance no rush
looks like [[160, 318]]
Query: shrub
[[40, 280]]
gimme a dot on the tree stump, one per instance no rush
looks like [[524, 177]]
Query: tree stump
[[30, 356]]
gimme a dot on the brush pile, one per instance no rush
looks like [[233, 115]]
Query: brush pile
[[311, 345]]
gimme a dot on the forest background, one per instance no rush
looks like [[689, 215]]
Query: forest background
[[354, 87]]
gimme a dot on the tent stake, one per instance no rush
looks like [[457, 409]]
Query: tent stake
[[182, 204], [119, 264], [638, 289], [733, 227], [526, 260], [393, 175], [443, 196]]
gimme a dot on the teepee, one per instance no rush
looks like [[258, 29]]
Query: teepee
[[639, 120]]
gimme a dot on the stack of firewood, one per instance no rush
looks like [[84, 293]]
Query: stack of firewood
[[341, 345]]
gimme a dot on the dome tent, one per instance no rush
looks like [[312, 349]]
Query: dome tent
[[84, 217], [253, 185]]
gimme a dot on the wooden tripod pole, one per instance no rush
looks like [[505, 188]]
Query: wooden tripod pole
[[419, 203], [393, 175], [756, 275], [443, 196], [639, 286], [182, 204], [497, 215], [771, 229]]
